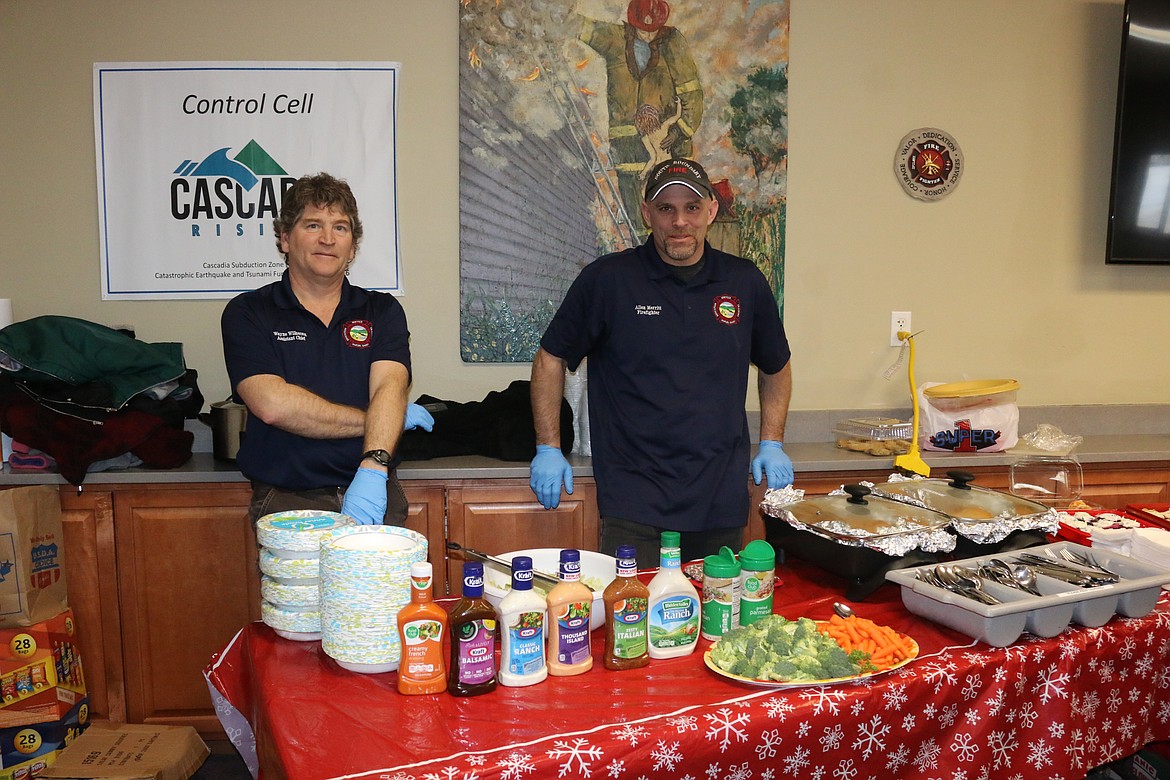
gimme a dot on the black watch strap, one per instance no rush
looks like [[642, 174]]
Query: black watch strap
[[380, 456]]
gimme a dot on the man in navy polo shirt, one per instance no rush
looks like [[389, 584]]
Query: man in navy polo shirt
[[669, 328], [323, 367]]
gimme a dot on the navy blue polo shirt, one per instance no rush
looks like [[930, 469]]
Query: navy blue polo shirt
[[267, 331], [668, 373]]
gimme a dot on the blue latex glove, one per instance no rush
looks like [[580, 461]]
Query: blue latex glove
[[365, 500], [548, 471], [773, 461], [418, 417]]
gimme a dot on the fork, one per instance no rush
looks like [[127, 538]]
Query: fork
[[1073, 556]]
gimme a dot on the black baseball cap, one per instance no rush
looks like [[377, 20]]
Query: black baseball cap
[[678, 171]]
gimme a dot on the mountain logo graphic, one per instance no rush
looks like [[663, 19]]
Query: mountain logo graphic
[[245, 168]]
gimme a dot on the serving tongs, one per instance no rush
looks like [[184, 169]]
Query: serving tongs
[[503, 563], [1085, 575]]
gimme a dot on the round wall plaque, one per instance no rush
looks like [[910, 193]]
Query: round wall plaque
[[929, 163]]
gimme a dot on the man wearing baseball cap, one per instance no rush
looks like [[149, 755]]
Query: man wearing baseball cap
[[670, 329]]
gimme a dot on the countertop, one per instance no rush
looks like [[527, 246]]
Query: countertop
[[806, 457]]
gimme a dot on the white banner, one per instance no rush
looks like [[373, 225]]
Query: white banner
[[194, 157]]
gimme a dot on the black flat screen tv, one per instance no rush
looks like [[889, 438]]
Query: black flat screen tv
[[1139, 199]]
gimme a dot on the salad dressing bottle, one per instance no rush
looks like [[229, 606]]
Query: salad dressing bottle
[[522, 616], [674, 605], [626, 601], [569, 604], [421, 625], [472, 663]]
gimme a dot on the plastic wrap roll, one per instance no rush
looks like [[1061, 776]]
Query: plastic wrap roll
[[290, 593], [365, 581], [288, 568], [300, 530]]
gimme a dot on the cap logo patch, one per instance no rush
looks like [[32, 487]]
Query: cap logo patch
[[726, 309], [357, 333]]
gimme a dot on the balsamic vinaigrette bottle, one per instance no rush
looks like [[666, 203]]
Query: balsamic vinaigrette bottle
[[472, 666]]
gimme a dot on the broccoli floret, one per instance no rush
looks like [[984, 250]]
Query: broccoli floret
[[836, 663]]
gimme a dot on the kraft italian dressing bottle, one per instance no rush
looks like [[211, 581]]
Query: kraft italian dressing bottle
[[522, 615], [626, 599], [674, 605], [569, 605]]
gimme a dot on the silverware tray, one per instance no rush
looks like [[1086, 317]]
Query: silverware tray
[[1060, 605]]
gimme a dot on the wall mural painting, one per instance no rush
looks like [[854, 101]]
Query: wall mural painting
[[565, 105]]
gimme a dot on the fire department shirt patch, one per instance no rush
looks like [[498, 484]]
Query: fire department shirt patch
[[726, 308], [357, 333], [928, 164]]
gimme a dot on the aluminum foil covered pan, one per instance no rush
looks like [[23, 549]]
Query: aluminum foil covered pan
[[982, 515], [855, 518]]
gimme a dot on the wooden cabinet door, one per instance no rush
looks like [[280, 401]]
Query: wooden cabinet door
[[87, 520], [502, 515], [188, 582], [425, 514]]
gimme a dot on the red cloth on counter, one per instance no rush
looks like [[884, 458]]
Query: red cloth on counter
[[1050, 708]]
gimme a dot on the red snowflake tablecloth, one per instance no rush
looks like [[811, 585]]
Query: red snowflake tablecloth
[[1042, 708]]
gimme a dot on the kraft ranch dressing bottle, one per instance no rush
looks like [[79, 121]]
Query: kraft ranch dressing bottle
[[522, 620], [674, 605]]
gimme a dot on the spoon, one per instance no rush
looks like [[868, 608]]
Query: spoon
[[1026, 578], [971, 579], [842, 609]]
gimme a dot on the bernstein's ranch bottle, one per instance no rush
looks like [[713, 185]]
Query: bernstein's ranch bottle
[[626, 608]]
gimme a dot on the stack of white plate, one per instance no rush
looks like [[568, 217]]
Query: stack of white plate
[[365, 581], [290, 558]]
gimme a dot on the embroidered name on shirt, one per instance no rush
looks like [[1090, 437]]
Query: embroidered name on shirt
[[647, 311], [290, 335]]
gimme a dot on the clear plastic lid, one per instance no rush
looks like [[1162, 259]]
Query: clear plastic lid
[[879, 428]]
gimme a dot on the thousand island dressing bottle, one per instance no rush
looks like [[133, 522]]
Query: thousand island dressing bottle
[[626, 602], [421, 625], [569, 605]]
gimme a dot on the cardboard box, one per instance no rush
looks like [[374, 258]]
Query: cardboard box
[[27, 751], [41, 675], [1150, 763], [131, 752]]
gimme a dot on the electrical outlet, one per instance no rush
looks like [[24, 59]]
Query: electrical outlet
[[899, 321]]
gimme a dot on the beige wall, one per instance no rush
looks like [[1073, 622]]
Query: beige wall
[[1005, 277]]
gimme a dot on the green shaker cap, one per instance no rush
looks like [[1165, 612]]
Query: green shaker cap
[[722, 564], [671, 539], [758, 555]]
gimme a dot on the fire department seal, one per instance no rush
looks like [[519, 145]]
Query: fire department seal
[[357, 333], [726, 309], [928, 164]]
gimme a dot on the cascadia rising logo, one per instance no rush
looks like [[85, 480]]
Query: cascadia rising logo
[[222, 189]]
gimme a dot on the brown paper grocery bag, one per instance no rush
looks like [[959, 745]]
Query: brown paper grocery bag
[[32, 576]]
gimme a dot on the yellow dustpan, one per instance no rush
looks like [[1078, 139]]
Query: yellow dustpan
[[912, 462]]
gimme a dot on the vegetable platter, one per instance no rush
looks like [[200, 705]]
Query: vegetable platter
[[779, 653]]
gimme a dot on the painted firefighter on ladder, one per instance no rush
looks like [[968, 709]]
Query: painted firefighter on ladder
[[650, 73]]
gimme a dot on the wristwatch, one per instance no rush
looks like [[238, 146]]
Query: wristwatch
[[380, 456]]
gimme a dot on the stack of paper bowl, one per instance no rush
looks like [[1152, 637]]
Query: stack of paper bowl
[[290, 557], [365, 581]]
